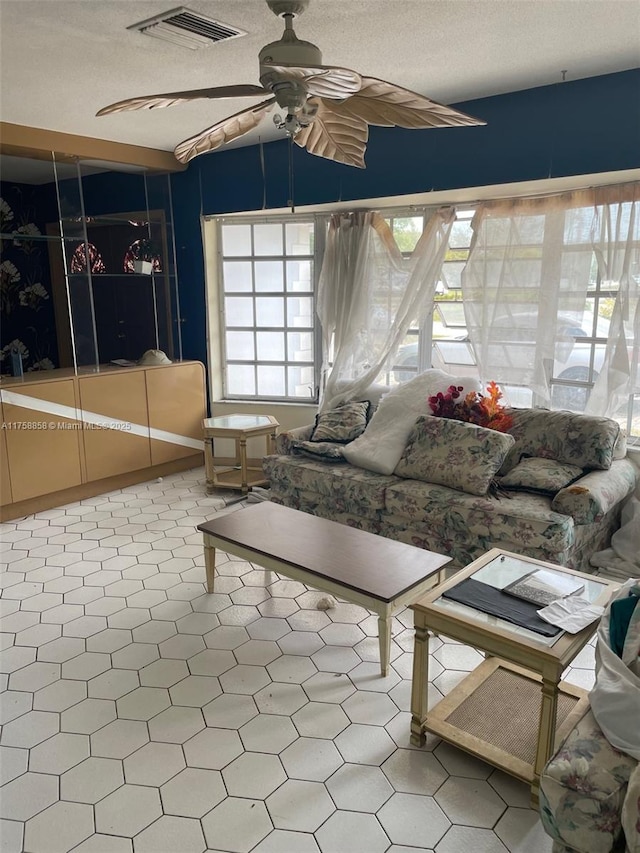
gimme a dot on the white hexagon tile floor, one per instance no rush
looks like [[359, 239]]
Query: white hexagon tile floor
[[140, 714]]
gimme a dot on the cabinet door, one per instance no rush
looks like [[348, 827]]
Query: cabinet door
[[5, 481], [124, 445], [44, 455], [176, 406]]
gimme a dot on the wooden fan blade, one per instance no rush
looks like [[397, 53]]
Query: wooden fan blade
[[338, 137], [324, 81], [152, 102], [381, 103], [224, 131]]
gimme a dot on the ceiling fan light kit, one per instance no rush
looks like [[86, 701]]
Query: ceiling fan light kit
[[328, 109]]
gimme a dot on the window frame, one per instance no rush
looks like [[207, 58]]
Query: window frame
[[319, 230]]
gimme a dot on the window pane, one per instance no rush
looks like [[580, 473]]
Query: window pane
[[299, 238], [238, 311], [237, 276], [300, 382], [267, 239], [269, 275], [300, 311], [300, 346], [241, 380], [460, 235], [407, 231], [269, 311], [270, 346], [299, 276], [236, 240], [271, 381], [240, 346]]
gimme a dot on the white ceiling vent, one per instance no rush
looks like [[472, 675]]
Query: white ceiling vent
[[187, 28]]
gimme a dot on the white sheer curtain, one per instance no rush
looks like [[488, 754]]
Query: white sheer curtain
[[369, 295], [615, 234], [526, 286]]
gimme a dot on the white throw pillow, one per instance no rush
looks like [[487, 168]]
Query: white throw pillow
[[380, 446]]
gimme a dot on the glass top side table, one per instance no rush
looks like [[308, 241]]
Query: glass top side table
[[239, 475]]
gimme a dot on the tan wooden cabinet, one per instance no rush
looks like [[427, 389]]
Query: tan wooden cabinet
[[174, 400], [68, 436], [5, 480], [116, 423], [43, 443]]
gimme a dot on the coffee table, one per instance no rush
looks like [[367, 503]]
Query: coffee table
[[362, 568], [240, 475], [513, 707]]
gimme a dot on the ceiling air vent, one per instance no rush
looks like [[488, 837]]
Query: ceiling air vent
[[187, 29]]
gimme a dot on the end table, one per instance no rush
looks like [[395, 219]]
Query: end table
[[238, 427]]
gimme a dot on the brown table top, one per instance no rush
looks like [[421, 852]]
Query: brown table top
[[365, 562]]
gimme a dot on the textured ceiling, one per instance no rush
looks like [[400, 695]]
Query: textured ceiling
[[61, 60]]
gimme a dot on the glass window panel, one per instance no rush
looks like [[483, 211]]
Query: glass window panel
[[270, 346], [240, 346], [269, 275], [300, 311], [451, 272], [299, 238], [241, 380], [407, 230], [237, 276], [238, 311], [300, 346], [461, 234], [236, 240], [299, 276], [267, 239], [451, 314], [300, 382], [271, 381], [269, 311]]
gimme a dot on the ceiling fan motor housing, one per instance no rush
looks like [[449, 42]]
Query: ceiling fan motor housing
[[290, 93]]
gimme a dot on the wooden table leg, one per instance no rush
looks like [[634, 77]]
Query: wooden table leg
[[208, 465], [210, 563], [242, 447], [546, 732], [384, 641], [420, 680]]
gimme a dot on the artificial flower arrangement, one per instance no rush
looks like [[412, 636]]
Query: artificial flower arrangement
[[475, 408]]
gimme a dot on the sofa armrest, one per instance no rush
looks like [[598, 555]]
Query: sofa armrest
[[284, 440], [591, 497]]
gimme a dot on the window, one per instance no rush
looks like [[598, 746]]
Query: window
[[268, 307], [537, 321], [441, 339]]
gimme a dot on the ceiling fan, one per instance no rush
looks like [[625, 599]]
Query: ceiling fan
[[328, 109]]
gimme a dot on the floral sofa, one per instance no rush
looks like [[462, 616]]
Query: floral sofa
[[531, 512], [590, 789]]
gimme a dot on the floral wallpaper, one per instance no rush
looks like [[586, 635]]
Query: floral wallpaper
[[27, 320]]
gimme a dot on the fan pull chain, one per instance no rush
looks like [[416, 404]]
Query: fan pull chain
[[291, 204]]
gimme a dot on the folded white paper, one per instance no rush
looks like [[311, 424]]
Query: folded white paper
[[571, 613]]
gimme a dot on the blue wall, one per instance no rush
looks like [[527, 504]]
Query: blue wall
[[581, 127]]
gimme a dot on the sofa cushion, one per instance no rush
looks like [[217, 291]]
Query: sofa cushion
[[342, 424], [522, 521], [597, 493], [328, 450], [452, 453], [346, 483], [582, 440], [535, 474], [380, 447]]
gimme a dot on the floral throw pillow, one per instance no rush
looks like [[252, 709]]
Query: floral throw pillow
[[326, 451], [540, 475], [451, 453], [343, 424]]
